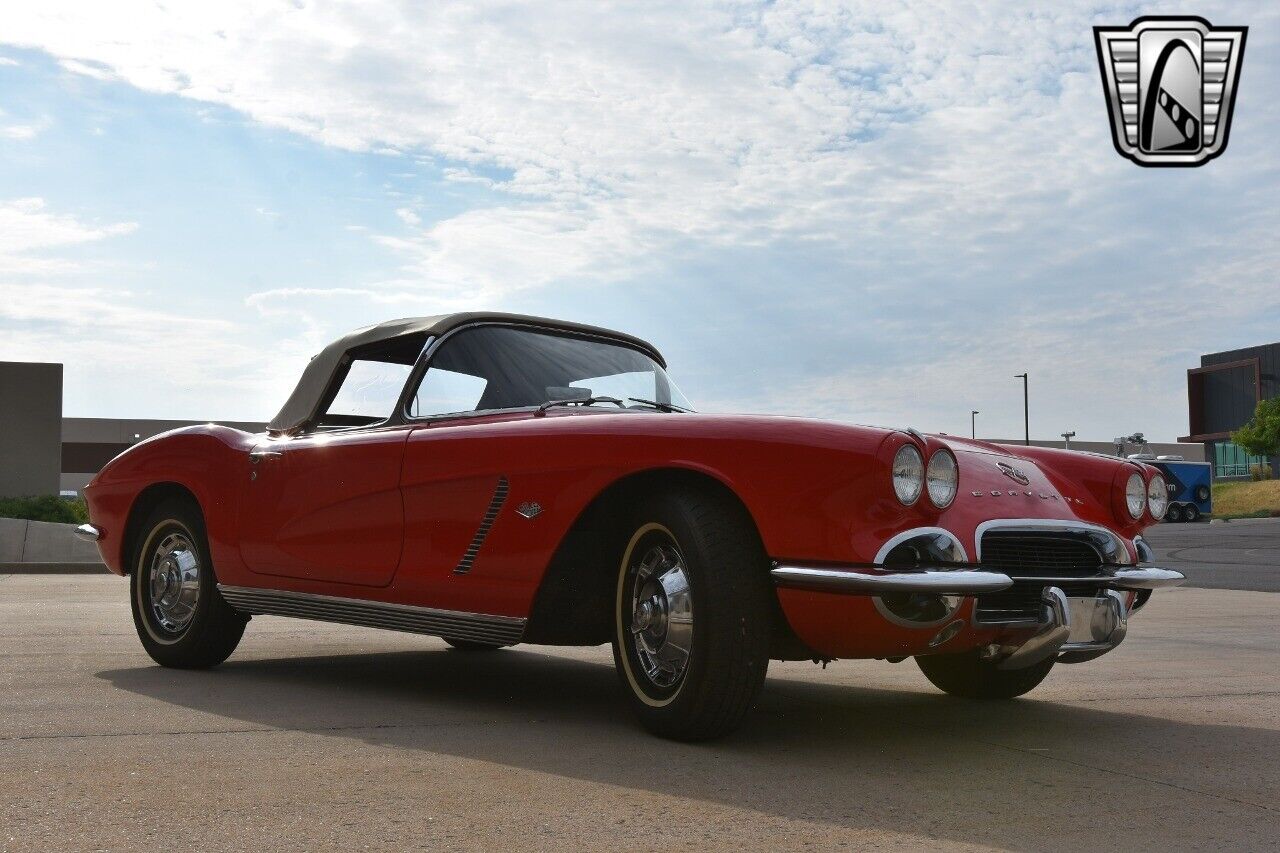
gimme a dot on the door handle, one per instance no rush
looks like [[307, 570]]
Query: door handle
[[256, 456]]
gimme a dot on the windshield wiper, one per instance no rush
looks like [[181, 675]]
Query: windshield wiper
[[666, 407], [580, 401]]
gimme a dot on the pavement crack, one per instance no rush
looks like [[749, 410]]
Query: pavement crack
[[1181, 696], [256, 730], [1135, 776]]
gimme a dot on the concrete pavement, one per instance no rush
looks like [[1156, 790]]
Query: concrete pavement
[[319, 736]]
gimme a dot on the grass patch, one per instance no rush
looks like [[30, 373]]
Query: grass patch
[[1246, 499], [45, 508]]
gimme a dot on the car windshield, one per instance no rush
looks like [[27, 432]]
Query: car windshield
[[500, 367]]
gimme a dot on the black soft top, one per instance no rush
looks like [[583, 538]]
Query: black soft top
[[303, 402]]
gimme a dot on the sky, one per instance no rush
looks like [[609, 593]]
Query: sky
[[870, 212]]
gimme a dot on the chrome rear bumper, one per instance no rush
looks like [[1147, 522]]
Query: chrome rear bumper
[[88, 533]]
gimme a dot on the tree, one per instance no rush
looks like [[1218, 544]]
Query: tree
[[1261, 435]]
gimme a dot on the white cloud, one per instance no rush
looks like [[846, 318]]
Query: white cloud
[[947, 164], [733, 123], [28, 231], [95, 70], [5, 60], [23, 132], [116, 342], [19, 131]]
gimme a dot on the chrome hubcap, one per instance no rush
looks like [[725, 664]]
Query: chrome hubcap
[[174, 583], [662, 615]]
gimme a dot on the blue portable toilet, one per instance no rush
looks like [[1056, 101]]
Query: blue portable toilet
[[1190, 488]]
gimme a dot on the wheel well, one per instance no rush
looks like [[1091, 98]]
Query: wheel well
[[574, 602], [143, 505]]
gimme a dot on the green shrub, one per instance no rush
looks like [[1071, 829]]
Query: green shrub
[[45, 508]]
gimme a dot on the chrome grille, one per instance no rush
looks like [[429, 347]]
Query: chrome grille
[[1033, 555]]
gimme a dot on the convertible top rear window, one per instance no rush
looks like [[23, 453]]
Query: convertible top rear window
[[501, 367], [369, 382]]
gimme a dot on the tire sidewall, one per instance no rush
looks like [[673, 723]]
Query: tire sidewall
[[625, 662], [717, 593], [156, 640]]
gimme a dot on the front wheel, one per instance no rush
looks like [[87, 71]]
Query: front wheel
[[1191, 512], [966, 674], [181, 618], [692, 616], [1173, 514]]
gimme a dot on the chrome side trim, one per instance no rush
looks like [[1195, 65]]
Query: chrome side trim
[[481, 627], [88, 533], [876, 582], [913, 533], [1041, 525]]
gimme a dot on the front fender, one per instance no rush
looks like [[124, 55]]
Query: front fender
[[203, 460]]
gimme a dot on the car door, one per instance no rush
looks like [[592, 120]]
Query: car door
[[325, 507]]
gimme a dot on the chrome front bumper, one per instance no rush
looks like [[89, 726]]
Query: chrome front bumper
[[946, 581], [881, 582], [1075, 629], [1072, 628], [88, 533]]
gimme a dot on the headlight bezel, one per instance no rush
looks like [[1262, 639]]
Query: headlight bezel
[[906, 470], [1136, 496], [1163, 494], [943, 456]]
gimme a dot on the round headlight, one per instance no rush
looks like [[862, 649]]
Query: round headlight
[[1135, 495], [908, 474], [1157, 497], [943, 478]]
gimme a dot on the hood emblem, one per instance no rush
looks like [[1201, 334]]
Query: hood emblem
[[1014, 474], [529, 509]]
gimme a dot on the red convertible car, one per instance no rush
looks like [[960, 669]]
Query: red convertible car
[[495, 479]]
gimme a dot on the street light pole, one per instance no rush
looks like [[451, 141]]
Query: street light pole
[[1026, 410], [1066, 439], [973, 421]]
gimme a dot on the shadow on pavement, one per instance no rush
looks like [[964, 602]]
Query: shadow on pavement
[[915, 762]]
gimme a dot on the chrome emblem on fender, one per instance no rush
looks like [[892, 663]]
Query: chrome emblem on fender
[[529, 509], [1170, 85], [1014, 473]]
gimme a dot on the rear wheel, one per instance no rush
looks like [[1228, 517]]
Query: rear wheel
[[1191, 512], [181, 618], [1173, 514], [692, 616], [968, 675]]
